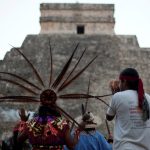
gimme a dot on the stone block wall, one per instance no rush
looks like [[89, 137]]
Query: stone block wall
[[64, 18], [115, 52]]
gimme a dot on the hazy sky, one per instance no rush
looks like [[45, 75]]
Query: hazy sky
[[21, 17]]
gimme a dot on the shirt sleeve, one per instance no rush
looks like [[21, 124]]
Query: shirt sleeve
[[104, 144], [112, 107]]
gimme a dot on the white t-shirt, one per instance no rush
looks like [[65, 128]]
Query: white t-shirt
[[130, 131]]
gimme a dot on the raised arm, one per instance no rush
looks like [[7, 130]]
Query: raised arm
[[71, 141]]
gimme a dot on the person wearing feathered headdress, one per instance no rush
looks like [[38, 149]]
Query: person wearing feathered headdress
[[47, 130]]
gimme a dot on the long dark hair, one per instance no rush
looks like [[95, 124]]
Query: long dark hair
[[46, 111], [131, 72]]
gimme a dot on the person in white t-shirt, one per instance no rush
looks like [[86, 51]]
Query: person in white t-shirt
[[130, 108]]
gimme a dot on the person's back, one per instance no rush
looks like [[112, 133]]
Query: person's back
[[49, 135], [90, 138], [92, 141], [130, 132], [130, 107], [47, 130]]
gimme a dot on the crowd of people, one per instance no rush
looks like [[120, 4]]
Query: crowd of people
[[129, 106]]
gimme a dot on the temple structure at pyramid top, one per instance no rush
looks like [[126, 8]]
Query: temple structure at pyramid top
[[57, 18]]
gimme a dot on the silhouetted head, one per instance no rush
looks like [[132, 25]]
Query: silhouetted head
[[48, 100], [129, 79], [48, 97]]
